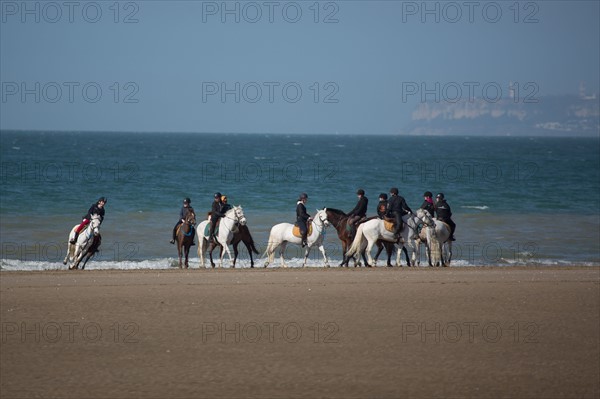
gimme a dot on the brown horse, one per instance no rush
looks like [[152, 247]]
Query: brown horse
[[185, 237], [346, 233], [241, 235]]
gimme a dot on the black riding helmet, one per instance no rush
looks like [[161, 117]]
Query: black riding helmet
[[103, 199], [217, 195], [440, 196], [428, 194], [360, 192], [383, 195], [303, 196], [394, 190], [187, 200]]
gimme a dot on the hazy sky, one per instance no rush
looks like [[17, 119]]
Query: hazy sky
[[291, 67]]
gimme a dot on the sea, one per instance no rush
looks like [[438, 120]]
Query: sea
[[526, 201]]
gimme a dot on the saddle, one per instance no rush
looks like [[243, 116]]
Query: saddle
[[296, 231], [207, 228], [389, 223], [179, 228]]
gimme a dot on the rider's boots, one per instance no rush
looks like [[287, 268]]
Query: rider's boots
[[74, 240]]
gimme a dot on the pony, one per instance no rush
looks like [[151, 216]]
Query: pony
[[76, 252], [228, 225], [282, 233], [241, 235], [185, 237], [368, 233], [437, 239]]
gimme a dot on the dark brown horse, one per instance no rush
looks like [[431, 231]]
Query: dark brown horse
[[346, 234], [185, 237], [241, 235]]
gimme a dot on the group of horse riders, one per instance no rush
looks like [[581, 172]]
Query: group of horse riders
[[394, 207], [218, 209]]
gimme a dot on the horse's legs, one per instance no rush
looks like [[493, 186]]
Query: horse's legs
[[322, 249], [281, 252], [235, 252], [249, 248], [226, 248], [211, 248], [179, 253], [379, 249]]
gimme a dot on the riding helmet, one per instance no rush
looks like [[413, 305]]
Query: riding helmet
[[103, 199], [187, 200], [217, 195], [428, 194], [383, 195], [360, 192], [303, 196], [394, 190], [440, 196]]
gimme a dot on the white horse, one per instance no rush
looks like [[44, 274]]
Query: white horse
[[437, 240], [76, 252], [369, 232], [227, 226], [281, 234]]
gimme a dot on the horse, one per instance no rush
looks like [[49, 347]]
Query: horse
[[437, 243], [185, 237], [227, 227], [243, 235], [339, 220], [374, 230], [76, 252], [282, 233]]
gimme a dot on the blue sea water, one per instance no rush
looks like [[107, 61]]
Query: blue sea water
[[515, 200]]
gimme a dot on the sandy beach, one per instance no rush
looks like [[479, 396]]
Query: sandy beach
[[353, 333]]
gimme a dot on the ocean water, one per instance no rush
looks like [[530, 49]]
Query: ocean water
[[516, 201]]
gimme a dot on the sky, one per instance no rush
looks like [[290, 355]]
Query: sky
[[309, 67]]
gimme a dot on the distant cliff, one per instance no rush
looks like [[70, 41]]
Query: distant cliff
[[550, 116]]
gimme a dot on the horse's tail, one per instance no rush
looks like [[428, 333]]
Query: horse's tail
[[357, 243]]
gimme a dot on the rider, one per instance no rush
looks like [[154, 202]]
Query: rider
[[397, 208], [360, 210], [382, 205], [98, 209], [225, 207], [302, 217], [185, 209], [443, 213], [428, 203], [215, 214]]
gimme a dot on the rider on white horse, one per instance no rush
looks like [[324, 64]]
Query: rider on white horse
[[443, 213], [397, 207], [98, 209], [302, 217]]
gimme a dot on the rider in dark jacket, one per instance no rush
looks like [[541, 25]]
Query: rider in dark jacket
[[382, 205], [185, 209], [215, 214], [428, 203], [360, 210], [302, 217], [397, 208], [95, 209], [444, 213]]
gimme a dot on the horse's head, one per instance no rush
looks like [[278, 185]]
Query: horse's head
[[425, 217], [95, 223], [321, 216], [190, 218], [239, 215]]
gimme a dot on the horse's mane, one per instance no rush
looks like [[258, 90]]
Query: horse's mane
[[337, 211]]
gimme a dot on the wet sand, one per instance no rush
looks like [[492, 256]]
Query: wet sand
[[285, 333]]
